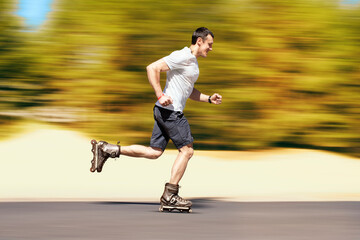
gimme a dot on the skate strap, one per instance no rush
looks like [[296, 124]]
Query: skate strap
[[173, 200], [176, 198]]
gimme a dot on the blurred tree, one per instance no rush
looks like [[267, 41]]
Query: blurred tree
[[22, 82], [288, 70]]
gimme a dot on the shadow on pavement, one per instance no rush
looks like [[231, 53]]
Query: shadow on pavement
[[199, 203]]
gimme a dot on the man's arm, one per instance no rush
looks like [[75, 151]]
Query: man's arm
[[153, 73], [196, 95]]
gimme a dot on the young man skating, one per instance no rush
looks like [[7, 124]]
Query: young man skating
[[170, 123]]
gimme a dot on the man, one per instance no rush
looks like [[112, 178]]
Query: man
[[182, 72]]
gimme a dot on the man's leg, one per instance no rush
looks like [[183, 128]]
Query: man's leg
[[141, 151], [180, 134], [103, 150], [180, 164], [170, 198]]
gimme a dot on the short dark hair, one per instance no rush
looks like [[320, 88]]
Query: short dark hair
[[202, 32]]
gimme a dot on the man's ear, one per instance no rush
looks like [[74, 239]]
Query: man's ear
[[199, 41]]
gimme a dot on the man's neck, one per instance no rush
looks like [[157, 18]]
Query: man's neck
[[194, 50]]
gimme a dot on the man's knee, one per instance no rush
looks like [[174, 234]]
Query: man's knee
[[188, 150], [155, 153]]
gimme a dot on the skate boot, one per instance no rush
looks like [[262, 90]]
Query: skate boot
[[170, 200], [102, 151]]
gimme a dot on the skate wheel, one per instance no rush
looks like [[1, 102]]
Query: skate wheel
[[93, 141], [190, 211], [92, 169]]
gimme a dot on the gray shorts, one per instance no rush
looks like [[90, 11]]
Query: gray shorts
[[170, 125]]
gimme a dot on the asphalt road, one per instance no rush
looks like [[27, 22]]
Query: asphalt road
[[211, 219]]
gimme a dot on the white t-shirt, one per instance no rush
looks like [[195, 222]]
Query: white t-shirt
[[180, 79]]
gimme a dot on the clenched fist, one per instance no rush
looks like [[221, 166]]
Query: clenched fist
[[216, 98], [165, 100]]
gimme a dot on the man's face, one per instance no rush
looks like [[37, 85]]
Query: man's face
[[205, 45]]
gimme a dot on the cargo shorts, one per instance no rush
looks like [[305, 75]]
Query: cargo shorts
[[170, 125]]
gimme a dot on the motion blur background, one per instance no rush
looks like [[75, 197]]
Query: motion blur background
[[288, 71]]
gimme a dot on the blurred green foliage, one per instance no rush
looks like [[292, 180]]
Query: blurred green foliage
[[288, 71]]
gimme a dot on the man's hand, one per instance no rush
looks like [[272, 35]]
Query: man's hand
[[216, 98], [165, 100]]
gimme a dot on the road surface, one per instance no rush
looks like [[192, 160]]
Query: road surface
[[211, 219]]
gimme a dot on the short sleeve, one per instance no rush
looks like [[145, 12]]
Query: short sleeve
[[175, 60]]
